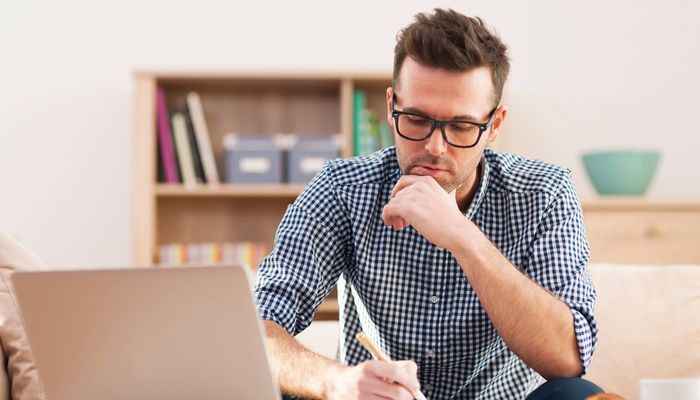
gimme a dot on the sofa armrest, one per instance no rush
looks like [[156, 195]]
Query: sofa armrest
[[20, 378], [4, 380]]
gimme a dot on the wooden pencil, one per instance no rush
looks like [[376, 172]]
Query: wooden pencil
[[378, 354]]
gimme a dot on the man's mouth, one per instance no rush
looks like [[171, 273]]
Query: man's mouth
[[427, 170]]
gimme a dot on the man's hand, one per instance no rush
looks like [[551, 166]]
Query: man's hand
[[375, 380], [421, 202]]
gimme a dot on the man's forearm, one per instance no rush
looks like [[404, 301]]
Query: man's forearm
[[298, 370], [537, 326]]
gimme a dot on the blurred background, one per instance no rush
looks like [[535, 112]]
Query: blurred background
[[586, 76]]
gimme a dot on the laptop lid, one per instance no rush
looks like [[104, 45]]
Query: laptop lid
[[159, 333]]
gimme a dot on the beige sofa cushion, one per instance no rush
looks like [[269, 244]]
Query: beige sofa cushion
[[4, 380], [23, 378], [649, 325]]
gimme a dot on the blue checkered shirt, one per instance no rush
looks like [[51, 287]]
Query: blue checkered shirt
[[411, 297]]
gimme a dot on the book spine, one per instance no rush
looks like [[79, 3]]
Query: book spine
[[248, 254], [165, 139], [369, 132], [194, 103], [184, 152], [385, 135], [196, 157], [358, 109]]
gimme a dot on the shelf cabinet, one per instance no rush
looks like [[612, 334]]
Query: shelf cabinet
[[305, 104], [642, 231]]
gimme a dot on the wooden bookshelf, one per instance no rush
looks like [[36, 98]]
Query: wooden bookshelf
[[310, 104]]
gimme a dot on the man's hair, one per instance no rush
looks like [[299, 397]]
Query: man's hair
[[449, 40]]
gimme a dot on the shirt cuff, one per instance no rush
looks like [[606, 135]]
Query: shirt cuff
[[584, 337], [276, 308]]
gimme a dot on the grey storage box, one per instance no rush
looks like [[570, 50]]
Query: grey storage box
[[307, 155], [252, 159]]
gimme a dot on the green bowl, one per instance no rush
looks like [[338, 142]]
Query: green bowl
[[621, 172]]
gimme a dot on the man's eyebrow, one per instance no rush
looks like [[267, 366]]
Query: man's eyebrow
[[464, 117]]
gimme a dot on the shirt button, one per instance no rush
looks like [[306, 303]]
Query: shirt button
[[431, 353], [428, 386], [433, 299]]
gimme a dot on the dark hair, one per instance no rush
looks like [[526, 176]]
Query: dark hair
[[452, 41]]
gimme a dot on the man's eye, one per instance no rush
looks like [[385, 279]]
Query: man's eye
[[462, 127], [417, 120]]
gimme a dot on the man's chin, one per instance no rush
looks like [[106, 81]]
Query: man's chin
[[449, 186], [442, 177]]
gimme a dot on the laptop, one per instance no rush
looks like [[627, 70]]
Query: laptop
[[158, 333]]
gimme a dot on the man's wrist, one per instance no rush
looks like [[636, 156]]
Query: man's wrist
[[465, 235], [330, 378], [471, 247]]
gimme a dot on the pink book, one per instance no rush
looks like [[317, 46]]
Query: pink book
[[165, 139]]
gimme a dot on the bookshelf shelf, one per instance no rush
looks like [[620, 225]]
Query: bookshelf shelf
[[328, 309], [308, 104], [230, 190]]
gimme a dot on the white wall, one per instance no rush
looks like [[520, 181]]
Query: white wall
[[585, 76]]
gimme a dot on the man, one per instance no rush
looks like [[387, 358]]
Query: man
[[468, 266]]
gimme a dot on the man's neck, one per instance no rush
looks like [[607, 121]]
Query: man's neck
[[467, 192]]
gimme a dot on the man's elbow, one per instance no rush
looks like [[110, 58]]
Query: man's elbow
[[571, 367], [574, 368]]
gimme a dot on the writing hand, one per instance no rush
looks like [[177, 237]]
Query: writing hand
[[375, 380]]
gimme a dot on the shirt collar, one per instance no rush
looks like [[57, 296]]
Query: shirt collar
[[481, 190]]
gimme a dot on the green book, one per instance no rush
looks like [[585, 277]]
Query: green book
[[385, 135], [358, 110], [370, 138]]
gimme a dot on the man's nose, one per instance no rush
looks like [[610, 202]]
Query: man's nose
[[436, 144]]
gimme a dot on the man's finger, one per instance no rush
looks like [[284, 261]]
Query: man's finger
[[400, 223], [396, 371], [390, 390], [405, 181], [391, 217]]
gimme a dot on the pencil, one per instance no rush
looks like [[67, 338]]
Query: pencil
[[378, 354]]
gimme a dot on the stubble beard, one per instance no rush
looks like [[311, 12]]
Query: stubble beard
[[458, 177]]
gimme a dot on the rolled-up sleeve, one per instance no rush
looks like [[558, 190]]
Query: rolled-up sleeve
[[558, 261], [308, 257]]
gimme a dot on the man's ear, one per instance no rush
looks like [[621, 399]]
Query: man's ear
[[389, 99], [498, 118]]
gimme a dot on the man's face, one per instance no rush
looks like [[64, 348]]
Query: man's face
[[444, 95]]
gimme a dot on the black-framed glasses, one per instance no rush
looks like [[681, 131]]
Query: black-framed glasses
[[457, 133]]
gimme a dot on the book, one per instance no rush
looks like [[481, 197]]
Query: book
[[358, 110], [182, 146], [386, 138], [196, 158], [194, 104], [165, 139], [370, 132], [367, 131], [160, 173], [249, 254]]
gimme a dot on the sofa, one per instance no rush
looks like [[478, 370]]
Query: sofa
[[648, 319], [649, 325]]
